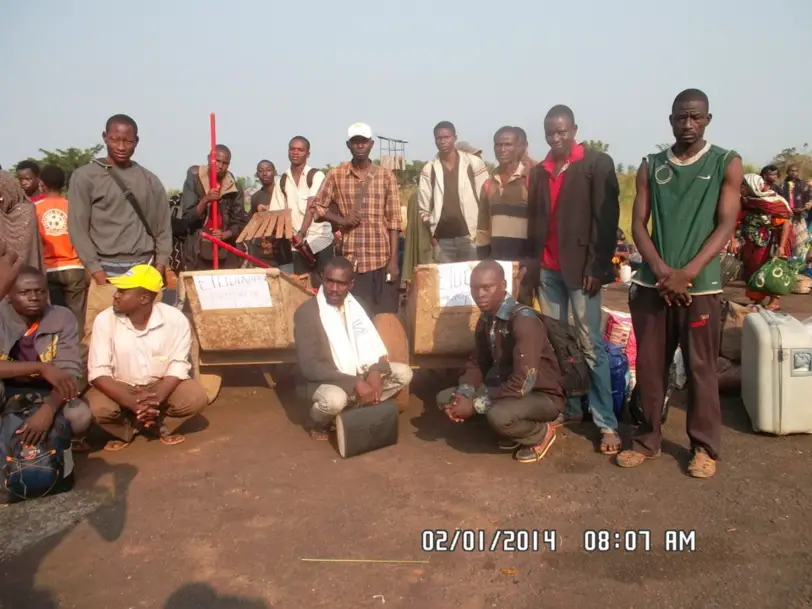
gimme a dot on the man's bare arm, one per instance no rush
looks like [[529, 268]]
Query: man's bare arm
[[641, 214], [727, 213]]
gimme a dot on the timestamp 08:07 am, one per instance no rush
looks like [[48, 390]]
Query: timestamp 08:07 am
[[603, 540]]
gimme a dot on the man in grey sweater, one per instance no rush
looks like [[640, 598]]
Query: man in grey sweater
[[110, 232]]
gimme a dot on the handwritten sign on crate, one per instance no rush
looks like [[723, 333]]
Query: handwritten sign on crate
[[237, 291], [454, 285]]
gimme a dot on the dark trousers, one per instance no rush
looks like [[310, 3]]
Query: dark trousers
[[68, 288], [374, 293], [301, 267], [521, 419], [659, 329]]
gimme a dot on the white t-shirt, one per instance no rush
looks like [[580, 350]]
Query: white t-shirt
[[295, 197]]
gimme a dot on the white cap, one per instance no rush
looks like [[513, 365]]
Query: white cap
[[359, 130]]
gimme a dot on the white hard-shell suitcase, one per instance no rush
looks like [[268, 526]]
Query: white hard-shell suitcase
[[777, 373]]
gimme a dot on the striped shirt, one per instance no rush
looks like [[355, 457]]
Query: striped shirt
[[502, 226], [368, 244]]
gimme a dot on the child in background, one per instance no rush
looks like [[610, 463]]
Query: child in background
[[67, 282]]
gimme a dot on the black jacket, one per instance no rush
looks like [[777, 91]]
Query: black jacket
[[587, 212]]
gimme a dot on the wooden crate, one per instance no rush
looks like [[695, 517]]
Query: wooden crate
[[249, 327], [439, 330]]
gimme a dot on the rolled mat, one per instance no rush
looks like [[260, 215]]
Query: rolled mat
[[367, 428]]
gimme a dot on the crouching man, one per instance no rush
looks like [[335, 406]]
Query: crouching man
[[39, 358], [513, 377], [139, 364], [340, 353]]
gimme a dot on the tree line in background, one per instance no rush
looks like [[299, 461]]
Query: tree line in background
[[69, 159]]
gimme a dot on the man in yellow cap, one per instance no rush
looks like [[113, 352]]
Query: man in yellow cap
[[139, 364]]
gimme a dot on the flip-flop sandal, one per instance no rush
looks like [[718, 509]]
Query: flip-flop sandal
[[172, 439], [317, 434], [114, 446], [610, 443], [80, 446]]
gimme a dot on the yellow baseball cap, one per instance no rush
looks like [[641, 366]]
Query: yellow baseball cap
[[140, 276]]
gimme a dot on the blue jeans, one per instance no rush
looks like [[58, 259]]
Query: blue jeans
[[556, 300]]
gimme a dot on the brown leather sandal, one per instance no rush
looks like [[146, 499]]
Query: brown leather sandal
[[633, 458], [702, 465]]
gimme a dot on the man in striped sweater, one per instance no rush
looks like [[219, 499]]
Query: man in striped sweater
[[502, 225]]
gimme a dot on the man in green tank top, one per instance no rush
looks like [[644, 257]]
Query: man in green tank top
[[690, 193]]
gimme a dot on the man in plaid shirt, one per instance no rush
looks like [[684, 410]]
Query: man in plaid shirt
[[369, 215]]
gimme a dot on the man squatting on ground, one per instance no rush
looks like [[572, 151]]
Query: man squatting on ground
[[340, 353], [39, 355], [513, 377], [139, 364], [691, 194]]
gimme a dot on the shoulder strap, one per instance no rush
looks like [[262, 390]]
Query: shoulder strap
[[519, 307], [128, 194], [362, 192], [310, 175], [282, 182]]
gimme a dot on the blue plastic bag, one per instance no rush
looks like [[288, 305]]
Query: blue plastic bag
[[618, 369]]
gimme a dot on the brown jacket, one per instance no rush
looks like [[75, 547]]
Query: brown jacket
[[231, 207], [519, 360], [313, 350]]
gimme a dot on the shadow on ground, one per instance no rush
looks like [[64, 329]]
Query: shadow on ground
[[203, 596], [30, 531]]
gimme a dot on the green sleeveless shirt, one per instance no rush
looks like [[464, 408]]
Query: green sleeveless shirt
[[684, 197]]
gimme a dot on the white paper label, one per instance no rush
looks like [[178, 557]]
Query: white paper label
[[237, 291], [454, 286]]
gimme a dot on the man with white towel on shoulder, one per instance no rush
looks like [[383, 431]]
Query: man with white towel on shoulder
[[340, 353]]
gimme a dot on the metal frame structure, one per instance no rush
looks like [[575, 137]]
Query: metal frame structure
[[395, 148]]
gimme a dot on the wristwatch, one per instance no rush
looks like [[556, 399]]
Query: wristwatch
[[482, 403]]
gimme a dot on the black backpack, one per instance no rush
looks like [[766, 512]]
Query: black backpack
[[577, 379], [575, 375]]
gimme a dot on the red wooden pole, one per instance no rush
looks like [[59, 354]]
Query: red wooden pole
[[215, 242], [214, 205]]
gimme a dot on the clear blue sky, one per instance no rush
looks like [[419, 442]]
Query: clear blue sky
[[271, 70]]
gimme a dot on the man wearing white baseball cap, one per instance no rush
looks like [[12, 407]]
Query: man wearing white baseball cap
[[368, 202], [361, 130]]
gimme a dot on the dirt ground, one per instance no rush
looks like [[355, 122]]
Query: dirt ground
[[225, 520]]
